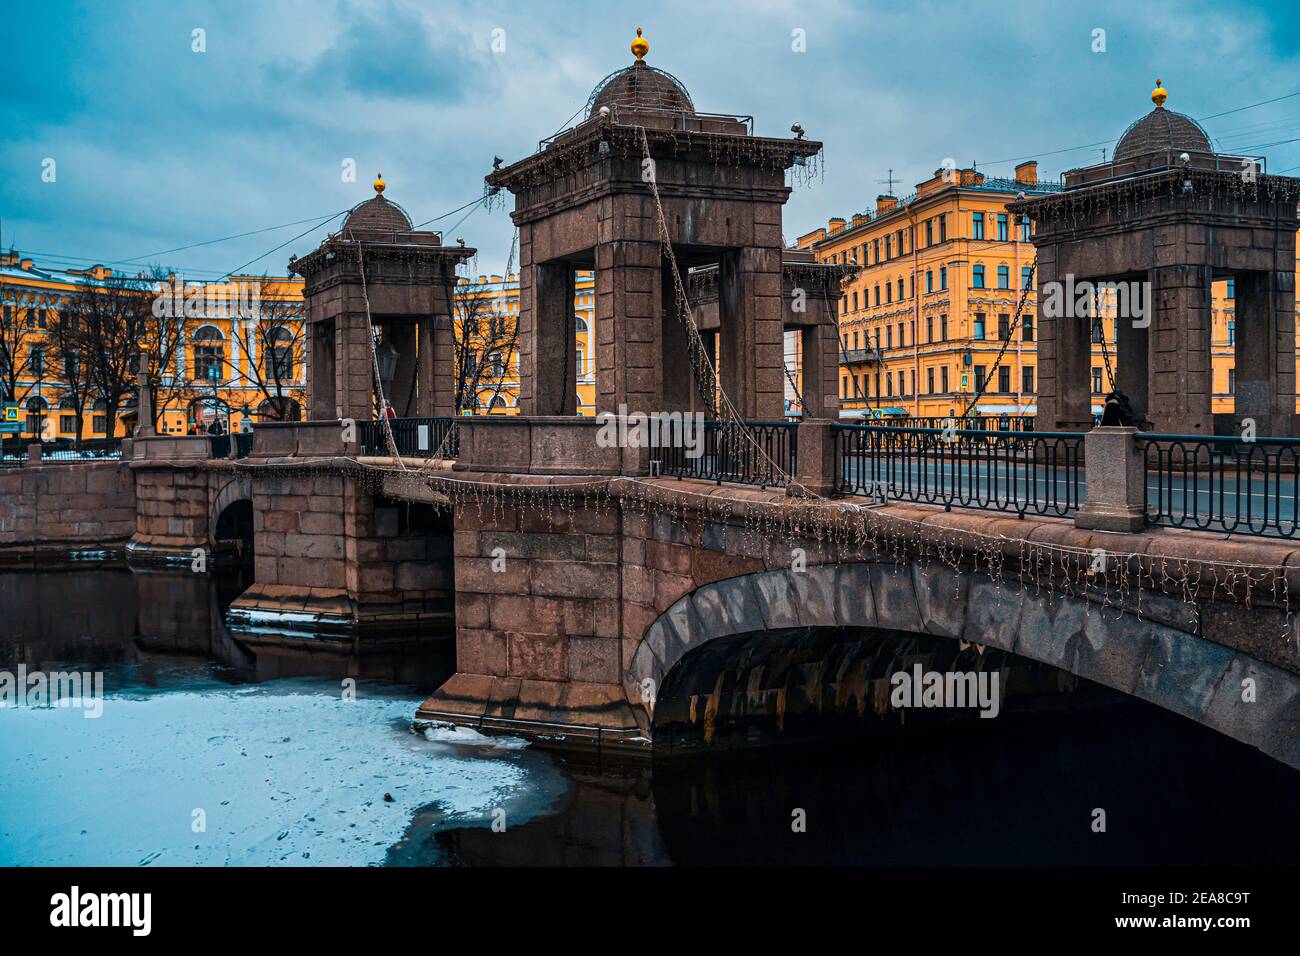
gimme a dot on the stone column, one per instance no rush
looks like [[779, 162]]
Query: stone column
[[815, 464], [1179, 337], [547, 362], [750, 327], [819, 349], [1064, 356], [434, 374], [1264, 354], [353, 367], [629, 327], [321, 380], [1113, 467]]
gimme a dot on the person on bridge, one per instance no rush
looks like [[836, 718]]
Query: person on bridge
[[1118, 411]]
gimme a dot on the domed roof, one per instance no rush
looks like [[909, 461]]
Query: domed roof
[[378, 214], [1162, 130], [640, 86]]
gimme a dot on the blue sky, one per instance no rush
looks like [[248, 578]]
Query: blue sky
[[157, 146]]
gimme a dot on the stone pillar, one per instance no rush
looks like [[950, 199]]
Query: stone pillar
[[434, 390], [629, 327], [353, 368], [144, 404], [1064, 357], [1113, 467], [402, 335], [321, 381], [548, 376], [815, 463], [750, 326], [1180, 381], [1264, 354], [819, 349], [1133, 344]]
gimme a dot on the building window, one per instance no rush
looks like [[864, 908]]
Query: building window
[[943, 277], [1004, 327], [977, 327], [977, 277], [889, 384], [844, 387], [1096, 381], [1232, 381], [877, 295], [929, 380], [1097, 331], [280, 355], [209, 354], [1004, 379], [902, 338], [929, 280], [943, 329], [1232, 288], [1024, 228], [1026, 277], [900, 290], [1002, 227], [855, 300], [977, 225], [36, 361], [68, 423], [979, 377], [929, 232], [1027, 379], [1027, 328], [943, 379], [889, 337], [889, 292], [1004, 277], [99, 420], [929, 328], [1232, 333]]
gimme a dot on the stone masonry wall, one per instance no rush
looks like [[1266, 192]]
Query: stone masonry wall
[[82, 505]]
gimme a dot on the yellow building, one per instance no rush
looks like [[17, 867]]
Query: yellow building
[[934, 303], [221, 363], [227, 351]]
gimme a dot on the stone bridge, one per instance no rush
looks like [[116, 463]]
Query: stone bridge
[[621, 611]]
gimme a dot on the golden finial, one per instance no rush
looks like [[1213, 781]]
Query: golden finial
[[379, 185], [640, 46], [1159, 95]]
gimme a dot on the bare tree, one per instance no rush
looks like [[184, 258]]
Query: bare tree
[[66, 352], [112, 318], [485, 342], [18, 336], [274, 344]]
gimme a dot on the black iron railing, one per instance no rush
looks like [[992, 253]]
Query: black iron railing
[[1223, 483], [1024, 472], [89, 449], [988, 423], [414, 437], [750, 453]]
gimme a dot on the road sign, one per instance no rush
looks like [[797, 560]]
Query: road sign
[[10, 424]]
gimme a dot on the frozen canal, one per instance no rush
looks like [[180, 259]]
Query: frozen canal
[[199, 772]]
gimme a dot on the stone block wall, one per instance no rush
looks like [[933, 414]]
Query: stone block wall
[[173, 506], [66, 506]]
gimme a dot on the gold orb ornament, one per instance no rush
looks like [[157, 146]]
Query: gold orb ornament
[[379, 184], [1159, 95], [640, 46]]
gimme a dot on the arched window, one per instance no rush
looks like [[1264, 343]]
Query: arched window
[[36, 409], [498, 402], [279, 358], [579, 323], [209, 353]]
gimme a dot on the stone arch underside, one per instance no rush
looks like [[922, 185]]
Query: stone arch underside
[[236, 489], [1157, 656]]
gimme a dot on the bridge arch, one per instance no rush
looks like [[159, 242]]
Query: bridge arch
[[1158, 656], [237, 489]]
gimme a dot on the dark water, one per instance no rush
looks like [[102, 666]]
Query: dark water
[[984, 792]]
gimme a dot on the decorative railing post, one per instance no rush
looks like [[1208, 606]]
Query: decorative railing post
[[34, 452], [815, 461], [1115, 479]]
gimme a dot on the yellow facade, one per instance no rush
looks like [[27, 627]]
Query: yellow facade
[[216, 337], [934, 303], [498, 296]]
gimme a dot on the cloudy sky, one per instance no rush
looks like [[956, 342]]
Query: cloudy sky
[[156, 146]]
